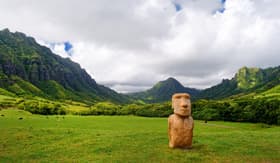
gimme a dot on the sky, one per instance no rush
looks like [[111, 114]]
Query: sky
[[130, 45]]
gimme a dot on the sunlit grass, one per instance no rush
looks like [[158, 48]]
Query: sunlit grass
[[129, 139], [76, 109]]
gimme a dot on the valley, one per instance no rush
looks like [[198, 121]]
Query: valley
[[34, 79]]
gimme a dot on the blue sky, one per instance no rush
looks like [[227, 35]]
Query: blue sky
[[178, 7], [67, 46]]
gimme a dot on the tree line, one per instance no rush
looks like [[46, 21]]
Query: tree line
[[247, 110]]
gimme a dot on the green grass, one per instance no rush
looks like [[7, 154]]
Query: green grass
[[5, 92], [4, 98], [7, 100], [70, 138], [76, 109], [271, 93], [71, 107]]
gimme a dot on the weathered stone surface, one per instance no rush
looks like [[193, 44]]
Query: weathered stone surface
[[180, 124]]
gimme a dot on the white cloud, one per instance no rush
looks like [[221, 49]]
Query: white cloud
[[130, 45]]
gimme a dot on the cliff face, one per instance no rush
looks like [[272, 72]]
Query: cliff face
[[246, 80], [21, 56]]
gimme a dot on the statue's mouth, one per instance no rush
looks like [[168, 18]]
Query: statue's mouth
[[184, 109], [183, 112]]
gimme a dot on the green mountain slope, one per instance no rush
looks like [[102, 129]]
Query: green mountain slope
[[163, 91], [245, 81], [27, 68]]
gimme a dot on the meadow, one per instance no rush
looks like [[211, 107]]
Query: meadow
[[71, 138]]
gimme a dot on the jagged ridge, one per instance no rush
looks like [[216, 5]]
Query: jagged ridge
[[24, 60], [246, 80]]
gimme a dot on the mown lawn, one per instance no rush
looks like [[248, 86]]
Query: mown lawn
[[36, 138]]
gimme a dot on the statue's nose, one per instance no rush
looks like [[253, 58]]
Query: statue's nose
[[184, 104]]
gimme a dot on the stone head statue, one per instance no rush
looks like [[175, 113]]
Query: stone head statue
[[180, 124], [181, 104]]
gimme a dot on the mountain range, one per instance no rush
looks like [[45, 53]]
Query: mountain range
[[245, 81], [29, 69]]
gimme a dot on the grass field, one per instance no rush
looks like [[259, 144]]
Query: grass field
[[36, 138]]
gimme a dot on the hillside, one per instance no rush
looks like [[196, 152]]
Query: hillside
[[163, 91], [245, 81], [29, 69]]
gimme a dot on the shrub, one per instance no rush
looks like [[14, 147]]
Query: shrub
[[44, 108]]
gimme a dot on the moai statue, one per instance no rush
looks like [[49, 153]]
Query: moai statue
[[180, 124]]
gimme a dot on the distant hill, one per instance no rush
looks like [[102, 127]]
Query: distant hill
[[246, 80], [163, 91], [29, 69]]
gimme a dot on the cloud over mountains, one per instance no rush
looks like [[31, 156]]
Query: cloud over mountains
[[130, 45]]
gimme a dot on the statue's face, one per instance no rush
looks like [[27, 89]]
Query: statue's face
[[181, 104]]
